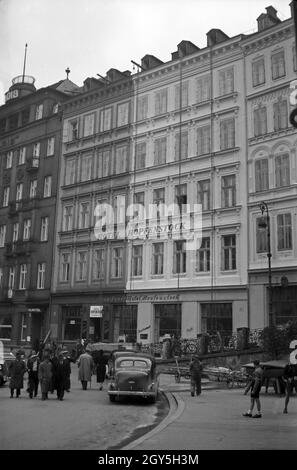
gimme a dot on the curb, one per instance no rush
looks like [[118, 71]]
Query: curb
[[177, 407]]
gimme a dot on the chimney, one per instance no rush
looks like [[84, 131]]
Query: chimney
[[215, 36], [150, 61], [268, 19]]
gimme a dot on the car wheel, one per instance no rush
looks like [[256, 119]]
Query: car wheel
[[112, 398]]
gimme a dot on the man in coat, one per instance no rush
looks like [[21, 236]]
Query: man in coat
[[33, 366], [195, 372], [85, 369], [62, 372], [17, 368], [45, 376]]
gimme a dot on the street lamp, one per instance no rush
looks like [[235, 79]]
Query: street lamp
[[265, 224]]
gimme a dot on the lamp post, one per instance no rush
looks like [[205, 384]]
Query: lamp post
[[265, 223]]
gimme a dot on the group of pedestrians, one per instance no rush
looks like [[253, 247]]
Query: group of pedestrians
[[87, 366]]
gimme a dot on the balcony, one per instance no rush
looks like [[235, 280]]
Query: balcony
[[32, 164]]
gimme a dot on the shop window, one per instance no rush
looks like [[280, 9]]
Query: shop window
[[5, 326], [72, 323], [127, 315], [168, 320], [216, 317]]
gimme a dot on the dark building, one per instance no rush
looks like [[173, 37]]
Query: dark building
[[30, 141]]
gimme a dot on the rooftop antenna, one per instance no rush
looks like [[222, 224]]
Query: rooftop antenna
[[137, 65], [103, 78], [67, 72], [24, 67]]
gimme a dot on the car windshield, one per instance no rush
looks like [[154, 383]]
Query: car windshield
[[134, 363]]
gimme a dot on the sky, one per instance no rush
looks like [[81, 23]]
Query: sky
[[92, 36]]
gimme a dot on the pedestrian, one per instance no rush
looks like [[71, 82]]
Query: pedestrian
[[54, 360], [45, 376], [290, 377], [195, 373], [68, 360], [100, 365], [61, 374], [33, 366], [85, 368], [17, 368], [255, 386]]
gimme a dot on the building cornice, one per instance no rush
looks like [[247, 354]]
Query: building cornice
[[268, 37]]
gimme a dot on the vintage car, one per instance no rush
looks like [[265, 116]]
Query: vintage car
[[133, 374]]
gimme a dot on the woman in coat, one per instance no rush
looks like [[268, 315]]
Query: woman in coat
[[45, 376], [17, 369], [100, 363], [85, 369]]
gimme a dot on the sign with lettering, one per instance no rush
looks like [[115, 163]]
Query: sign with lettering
[[11, 94], [96, 311]]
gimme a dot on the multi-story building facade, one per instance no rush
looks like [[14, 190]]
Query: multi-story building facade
[[30, 137], [91, 265], [270, 65]]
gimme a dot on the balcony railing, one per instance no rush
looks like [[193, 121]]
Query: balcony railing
[[32, 164]]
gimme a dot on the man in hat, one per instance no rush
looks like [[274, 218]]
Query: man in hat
[[195, 372], [85, 368], [33, 366], [17, 369], [45, 375], [61, 374]]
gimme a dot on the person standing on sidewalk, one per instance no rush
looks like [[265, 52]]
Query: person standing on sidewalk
[[195, 372], [85, 369], [61, 374], [33, 366], [100, 365], [45, 376], [255, 387], [17, 368]]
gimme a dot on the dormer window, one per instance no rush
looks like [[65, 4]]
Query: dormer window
[[39, 111]]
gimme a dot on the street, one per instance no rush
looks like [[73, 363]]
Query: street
[[85, 420]]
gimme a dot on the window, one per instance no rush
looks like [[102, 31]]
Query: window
[[203, 140], [158, 258], [84, 215], [294, 58], [140, 155], [25, 116], [117, 262], [261, 174], [65, 267], [89, 121], [139, 205], [203, 192], [1, 278], [55, 108], [5, 196], [70, 165], [284, 232], [2, 125], [73, 323], [13, 121], [105, 120], [5, 326], [73, 129], [260, 121], [203, 88], [181, 100], [86, 167], [137, 252], [216, 317], [123, 114], [22, 156], [229, 252], [282, 170], [99, 264], [67, 218], [50, 147], [25, 319], [181, 197], [128, 321], [19, 191], [40, 275], [258, 70], [33, 189], [228, 191], [159, 201], [168, 317], [104, 163], [36, 150], [180, 257], [27, 229], [226, 81], [9, 157], [121, 159], [23, 274], [181, 146], [39, 111], [142, 108], [280, 115], [160, 150], [278, 65], [15, 232], [227, 134], [2, 235], [203, 256], [47, 188], [81, 266], [261, 236], [161, 101], [11, 278], [44, 229]]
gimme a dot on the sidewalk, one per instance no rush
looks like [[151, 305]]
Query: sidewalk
[[214, 421]]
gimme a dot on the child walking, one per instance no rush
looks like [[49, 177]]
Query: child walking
[[255, 386]]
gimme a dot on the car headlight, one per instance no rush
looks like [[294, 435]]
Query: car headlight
[[1, 366]]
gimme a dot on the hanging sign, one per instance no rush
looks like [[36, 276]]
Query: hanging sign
[[96, 311]]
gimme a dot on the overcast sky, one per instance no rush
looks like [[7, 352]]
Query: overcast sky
[[92, 36]]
